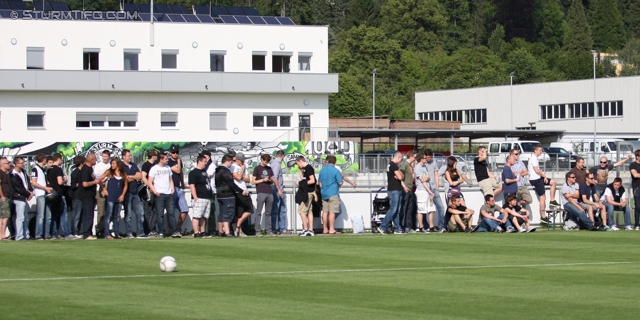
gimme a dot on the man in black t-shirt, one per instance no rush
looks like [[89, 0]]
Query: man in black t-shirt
[[76, 229], [394, 193], [634, 168], [201, 196], [263, 179], [461, 216], [308, 184], [150, 216], [520, 217], [177, 175], [486, 180], [56, 179], [87, 194]]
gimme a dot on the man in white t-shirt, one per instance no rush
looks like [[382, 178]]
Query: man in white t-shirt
[[538, 180], [98, 169], [244, 205], [161, 186], [615, 198], [40, 190]]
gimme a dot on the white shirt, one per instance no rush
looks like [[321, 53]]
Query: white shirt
[[237, 169], [99, 168], [161, 178], [211, 171], [41, 179], [533, 162], [607, 193]]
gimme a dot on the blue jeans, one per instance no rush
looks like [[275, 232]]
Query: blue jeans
[[112, 208], [75, 217], [22, 221], [165, 201], [578, 216], [442, 224], [610, 212], [636, 200], [43, 218], [395, 200], [60, 220], [133, 204], [278, 211], [487, 224]]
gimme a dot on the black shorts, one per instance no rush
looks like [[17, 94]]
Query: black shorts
[[538, 186], [227, 209], [243, 204]]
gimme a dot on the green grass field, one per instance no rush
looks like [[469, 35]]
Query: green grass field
[[542, 275]]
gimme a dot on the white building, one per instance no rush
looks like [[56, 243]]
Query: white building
[[552, 106], [74, 78]]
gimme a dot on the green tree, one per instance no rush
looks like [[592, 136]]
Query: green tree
[[459, 33], [496, 41], [418, 24], [527, 67], [362, 12], [516, 16], [577, 33], [351, 100], [467, 68], [608, 28], [629, 56], [576, 65], [549, 19]]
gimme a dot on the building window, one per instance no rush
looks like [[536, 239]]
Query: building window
[[131, 59], [35, 58], [91, 59], [106, 119], [281, 61], [168, 119], [217, 121], [258, 61], [271, 121], [463, 116], [35, 120], [216, 60], [170, 59], [580, 110], [304, 61]]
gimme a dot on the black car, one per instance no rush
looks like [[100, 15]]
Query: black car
[[561, 158]]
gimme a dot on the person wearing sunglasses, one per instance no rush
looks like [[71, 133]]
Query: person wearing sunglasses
[[570, 193], [601, 172], [590, 201]]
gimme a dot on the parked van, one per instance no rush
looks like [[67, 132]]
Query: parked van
[[499, 150], [604, 147]]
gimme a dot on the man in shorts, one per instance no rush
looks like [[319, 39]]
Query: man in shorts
[[226, 190], [590, 201], [330, 181], [519, 169], [201, 196], [424, 195], [509, 179], [539, 180], [461, 216], [5, 197], [486, 180], [519, 216], [244, 204], [308, 184], [488, 221]]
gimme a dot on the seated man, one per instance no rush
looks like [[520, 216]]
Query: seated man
[[614, 198], [590, 201], [570, 192], [519, 216], [488, 222], [460, 216]]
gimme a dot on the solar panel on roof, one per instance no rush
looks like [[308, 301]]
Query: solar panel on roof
[[250, 11], [175, 17], [130, 7], [235, 11], [4, 5], [5, 14], [217, 11], [257, 20], [243, 19], [271, 20], [145, 16], [191, 18], [217, 20], [38, 6], [162, 8], [144, 8], [178, 8], [228, 19], [285, 21], [59, 6], [17, 5], [204, 18], [160, 17], [201, 10]]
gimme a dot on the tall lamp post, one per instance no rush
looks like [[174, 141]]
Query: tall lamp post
[[374, 97], [511, 75], [595, 109]]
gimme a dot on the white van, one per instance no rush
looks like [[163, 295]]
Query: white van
[[604, 147], [499, 150]]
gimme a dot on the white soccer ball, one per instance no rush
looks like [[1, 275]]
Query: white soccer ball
[[168, 264]]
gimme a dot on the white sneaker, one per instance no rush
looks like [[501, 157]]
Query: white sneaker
[[628, 228], [637, 228], [499, 229], [511, 229], [614, 228], [523, 229], [531, 229]]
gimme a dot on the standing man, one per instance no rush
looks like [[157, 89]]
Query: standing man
[[76, 229], [263, 180], [211, 170], [279, 207], [486, 180], [150, 215], [434, 185], [307, 184], [408, 210], [98, 170], [5, 196], [244, 204], [161, 185], [601, 172], [56, 179], [132, 201], [87, 194], [394, 192], [520, 170], [509, 179], [227, 190], [580, 171], [330, 181], [175, 163], [538, 180], [424, 195], [570, 193], [39, 183], [635, 186], [22, 192], [201, 195]]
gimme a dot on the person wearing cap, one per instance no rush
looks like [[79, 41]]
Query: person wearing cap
[[175, 163], [244, 205]]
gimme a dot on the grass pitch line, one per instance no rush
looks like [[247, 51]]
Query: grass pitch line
[[548, 265]]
